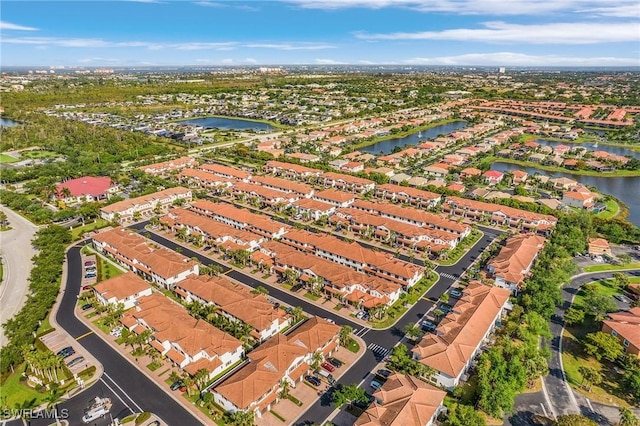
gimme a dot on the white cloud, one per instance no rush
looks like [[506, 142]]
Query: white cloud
[[15, 27], [328, 62], [250, 61], [520, 59], [478, 7], [97, 43], [202, 46], [290, 46], [226, 61], [364, 62], [501, 32], [99, 60], [210, 4]]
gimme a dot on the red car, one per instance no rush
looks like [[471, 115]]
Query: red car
[[330, 368]]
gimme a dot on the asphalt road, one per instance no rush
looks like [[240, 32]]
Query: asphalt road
[[17, 251], [128, 388], [384, 339]]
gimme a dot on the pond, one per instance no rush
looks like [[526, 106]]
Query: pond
[[386, 146], [225, 123], [5, 122], [616, 150], [626, 189]]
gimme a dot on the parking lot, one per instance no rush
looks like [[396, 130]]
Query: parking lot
[[56, 341]]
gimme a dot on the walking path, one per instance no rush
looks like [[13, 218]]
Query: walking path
[[16, 251]]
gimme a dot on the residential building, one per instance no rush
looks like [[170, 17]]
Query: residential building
[[346, 182], [202, 179], [314, 209], [235, 302], [513, 264], [599, 247], [240, 218], [190, 344], [462, 333], [301, 190], [498, 214], [257, 385], [86, 189], [578, 200], [625, 325], [154, 263], [226, 171], [124, 289], [412, 196], [334, 197], [145, 206], [291, 171], [493, 177], [166, 167], [404, 400]]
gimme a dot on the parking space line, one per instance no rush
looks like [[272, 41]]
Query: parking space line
[[84, 335]]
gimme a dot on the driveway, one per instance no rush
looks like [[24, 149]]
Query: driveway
[[16, 251]]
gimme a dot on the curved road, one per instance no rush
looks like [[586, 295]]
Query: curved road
[[15, 248]]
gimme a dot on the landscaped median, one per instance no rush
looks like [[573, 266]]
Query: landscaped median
[[461, 249], [399, 308], [609, 267]]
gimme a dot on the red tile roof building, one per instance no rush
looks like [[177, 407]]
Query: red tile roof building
[[256, 386], [124, 289], [86, 189], [404, 400], [460, 335], [144, 206], [155, 263], [515, 260], [189, 343], [169, 166], [625, 325], [412, 196]]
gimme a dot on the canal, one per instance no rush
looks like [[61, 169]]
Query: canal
[[626, 189], [387, 146], [226, 123]]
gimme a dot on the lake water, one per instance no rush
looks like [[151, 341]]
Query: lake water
[[385, 147], [5, 122], [616, 150], [224, 123], [626, 189]]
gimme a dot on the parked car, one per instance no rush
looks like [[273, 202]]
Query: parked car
[[90, 275], [176, 385], [68, 353], [360, 314], [446, 308], [89, 263], [376, 385], [428, 326], [329, 320], [335, 362], [313, 380], [330, 368], [455, 292], [116, 332], [154, 423], [75, 361], [622, 298], [384, 373], [64, 351], [87, 306]]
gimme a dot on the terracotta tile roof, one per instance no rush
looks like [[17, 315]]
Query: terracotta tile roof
[[225, 171], [351, 180], [171, 322], [515, 258], [411, 192], [310, 204], [461, 331], [405, 401], [626, 324], [147, 199], [510, 212], [234, 299], [175, 164], [212, 228], [283, 184], [205, 177], [160, 260], [261, 191], [244, 216], [335, 196], [86, 185], [122, 286], [279, 165], [271, 360]]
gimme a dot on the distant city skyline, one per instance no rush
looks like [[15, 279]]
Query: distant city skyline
[[500, 33]]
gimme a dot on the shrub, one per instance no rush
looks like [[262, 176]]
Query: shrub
[[143, 417]]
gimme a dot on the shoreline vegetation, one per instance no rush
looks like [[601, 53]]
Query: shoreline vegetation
[[617, 173], [404, 134], [527, 137]]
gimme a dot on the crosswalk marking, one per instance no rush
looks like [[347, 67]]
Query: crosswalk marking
[[379, 350], [361, 332], [451, 277]]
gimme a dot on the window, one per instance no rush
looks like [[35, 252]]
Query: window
[[614, 333], [626, 343]]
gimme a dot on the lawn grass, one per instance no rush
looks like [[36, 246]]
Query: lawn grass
[[353, 346], [14, 393], [4, 158], [76, 233], [108, 270], [574, 356], [607, 267], [311, 296], [98, 323], [461, 249], [605, 287], [613, 209]]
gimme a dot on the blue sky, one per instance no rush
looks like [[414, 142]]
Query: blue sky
[[361, 32]]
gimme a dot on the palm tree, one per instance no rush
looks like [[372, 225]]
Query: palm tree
[[412, 331], [297, 314], [242, 418], [316, 360], [284, 388], [344, 336]]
